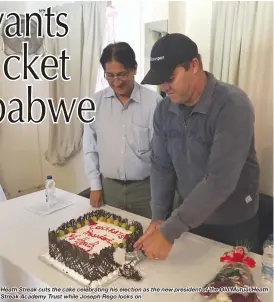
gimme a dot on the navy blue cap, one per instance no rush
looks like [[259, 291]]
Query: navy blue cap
[[166, 54]]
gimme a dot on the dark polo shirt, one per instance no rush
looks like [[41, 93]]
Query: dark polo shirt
[[209, 159]]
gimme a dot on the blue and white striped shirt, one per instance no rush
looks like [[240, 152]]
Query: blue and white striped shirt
[[118, 144]]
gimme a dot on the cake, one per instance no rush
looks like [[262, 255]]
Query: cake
[[92, 248]]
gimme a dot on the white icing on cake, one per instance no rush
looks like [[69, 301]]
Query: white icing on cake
[[119, 256], [77, 277], [93, 238]]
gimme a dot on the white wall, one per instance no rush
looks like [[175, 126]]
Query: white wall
[[198, 26], [151, 11], [127, 28], [34, 6], [193, 18], [183, 17], [177, 16], [154, 10], [15, 6]]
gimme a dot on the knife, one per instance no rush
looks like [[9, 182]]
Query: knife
[[137, 256]]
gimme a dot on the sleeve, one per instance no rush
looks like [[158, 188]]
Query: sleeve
[[91, 156], [162, 176], [232, 140]]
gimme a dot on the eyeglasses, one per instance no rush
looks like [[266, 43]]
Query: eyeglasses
[[121, 76]]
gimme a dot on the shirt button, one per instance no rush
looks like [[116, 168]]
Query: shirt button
[[123, 126], [122, 137]]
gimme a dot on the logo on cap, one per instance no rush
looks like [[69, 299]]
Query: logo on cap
[[157, 58]]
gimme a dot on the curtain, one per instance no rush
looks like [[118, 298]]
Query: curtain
[[109, 37], [242, 54], [86, 21]]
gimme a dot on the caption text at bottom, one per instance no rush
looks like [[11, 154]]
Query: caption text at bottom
[[112, 293]]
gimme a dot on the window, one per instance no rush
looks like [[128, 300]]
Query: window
[[109, 37]]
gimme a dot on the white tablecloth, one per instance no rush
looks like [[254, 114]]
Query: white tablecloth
[[193, 260]]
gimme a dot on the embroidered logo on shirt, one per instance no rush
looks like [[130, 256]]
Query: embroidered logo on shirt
[[248, 199]]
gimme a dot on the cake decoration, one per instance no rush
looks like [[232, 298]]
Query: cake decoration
[[87, 245], [128, 271]]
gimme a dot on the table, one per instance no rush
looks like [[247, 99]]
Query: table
[[192, 261]]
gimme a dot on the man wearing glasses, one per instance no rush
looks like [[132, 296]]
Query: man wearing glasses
[[117, 146], [203, 146]]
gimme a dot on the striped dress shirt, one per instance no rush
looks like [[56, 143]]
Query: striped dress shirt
[[118, 144]]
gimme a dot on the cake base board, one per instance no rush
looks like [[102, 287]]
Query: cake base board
[[105, 281]]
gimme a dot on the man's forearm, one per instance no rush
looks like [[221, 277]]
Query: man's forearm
[[95, 184], [92, 172]]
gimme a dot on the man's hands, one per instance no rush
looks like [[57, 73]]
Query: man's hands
[[154, 243], [156, 246], [153, 227], [96, 198]]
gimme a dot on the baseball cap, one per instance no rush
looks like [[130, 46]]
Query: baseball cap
[[167, 53]]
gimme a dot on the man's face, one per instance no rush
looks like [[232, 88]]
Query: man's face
[[181, 85], [120, 79]]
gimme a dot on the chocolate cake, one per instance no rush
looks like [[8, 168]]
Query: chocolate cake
[[88, 245]]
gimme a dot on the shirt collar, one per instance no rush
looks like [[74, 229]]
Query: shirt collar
[[135, 94], [205, 100]]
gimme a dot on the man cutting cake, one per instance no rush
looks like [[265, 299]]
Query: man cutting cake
[[203, 147]]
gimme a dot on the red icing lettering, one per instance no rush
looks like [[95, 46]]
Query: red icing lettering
[[92, 245], [84, 245], [72, 236], [98, 227], [92, 232], [121, 235], [113, 231], [80, 242], [104, 238]]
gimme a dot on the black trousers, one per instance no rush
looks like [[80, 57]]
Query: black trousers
[[243, 234]]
